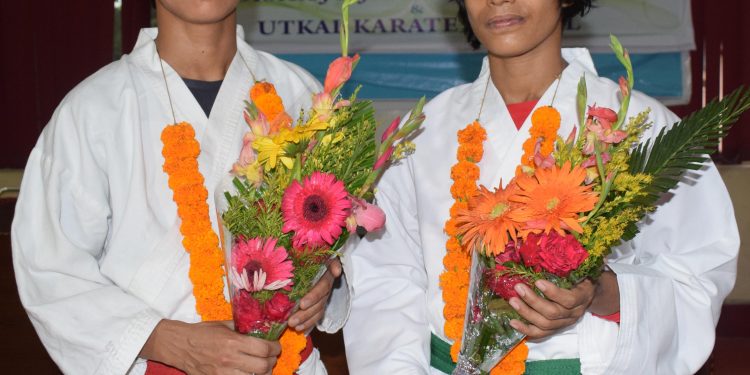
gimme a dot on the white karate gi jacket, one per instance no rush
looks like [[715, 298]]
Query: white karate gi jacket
[[673, 277], [96, 243]]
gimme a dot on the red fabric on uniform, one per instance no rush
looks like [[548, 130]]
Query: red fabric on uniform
[[612, 318], [520, 111], [158, 368]]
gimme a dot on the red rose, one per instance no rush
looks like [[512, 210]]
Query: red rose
[[561, 254], [279, 307], [248, 313], [502, 285], [509, 255], [529, 252]]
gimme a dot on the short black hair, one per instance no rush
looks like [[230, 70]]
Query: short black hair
[[571, 9]]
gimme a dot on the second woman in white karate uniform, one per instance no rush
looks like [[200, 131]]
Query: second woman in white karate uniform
[[668, 283]]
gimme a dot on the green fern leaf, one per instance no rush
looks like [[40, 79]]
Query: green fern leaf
[[686, 146]]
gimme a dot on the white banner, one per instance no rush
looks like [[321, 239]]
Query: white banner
[[641, 25], [311, 26], [423, 26]]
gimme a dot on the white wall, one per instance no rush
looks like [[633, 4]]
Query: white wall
[[737, 178]]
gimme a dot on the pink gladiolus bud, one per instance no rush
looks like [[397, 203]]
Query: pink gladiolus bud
[[602, 113], [342, 103], [624, 88], [247, 155], [339, 72], [544, 162], [591, 162], [391, 129], [247, 118], [572, 136], [383, 158], [369, 216]]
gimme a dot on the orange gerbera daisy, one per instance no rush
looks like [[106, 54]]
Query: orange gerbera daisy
[[552, 199], [487, 221]]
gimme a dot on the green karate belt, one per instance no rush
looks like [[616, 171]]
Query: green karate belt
[[440, 359]]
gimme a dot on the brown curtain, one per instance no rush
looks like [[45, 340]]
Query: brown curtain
[[48, 47], [723, 52], [135, 15]]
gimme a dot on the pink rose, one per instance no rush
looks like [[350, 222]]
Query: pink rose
[[529, 252], [248, 313], [561, 254], [279, 307]]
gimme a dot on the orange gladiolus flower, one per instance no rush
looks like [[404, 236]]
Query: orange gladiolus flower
[[552, 199], [339, 72]]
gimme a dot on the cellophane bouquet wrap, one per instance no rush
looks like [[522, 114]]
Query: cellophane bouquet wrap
[[572, 200], [299, 190]]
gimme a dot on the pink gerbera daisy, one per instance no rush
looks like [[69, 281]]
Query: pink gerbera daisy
[[316, 210], [258, 265]]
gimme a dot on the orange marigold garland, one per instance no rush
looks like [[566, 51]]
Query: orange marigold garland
[[455, 279], [292, 344], [180, 152], [545, 122]]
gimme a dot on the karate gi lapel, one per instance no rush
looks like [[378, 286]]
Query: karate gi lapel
[[219, 136], [504, 145]]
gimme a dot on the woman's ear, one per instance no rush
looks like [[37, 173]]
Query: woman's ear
[[567, 4]]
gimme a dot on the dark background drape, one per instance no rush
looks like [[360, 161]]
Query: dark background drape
[[49, 46], [720, 64]]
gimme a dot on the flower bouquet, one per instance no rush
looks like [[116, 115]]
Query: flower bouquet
[[570, 202], [296, 193]]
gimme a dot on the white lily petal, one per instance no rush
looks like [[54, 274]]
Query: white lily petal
[[259, 280], [278, 284], [245, 281]]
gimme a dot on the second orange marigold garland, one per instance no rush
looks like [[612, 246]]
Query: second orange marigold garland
[[455, 279]]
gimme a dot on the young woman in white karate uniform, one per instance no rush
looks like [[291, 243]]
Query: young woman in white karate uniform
[[667, 284]]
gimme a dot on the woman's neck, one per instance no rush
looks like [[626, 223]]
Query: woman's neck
[[526, 77], [198, 51]]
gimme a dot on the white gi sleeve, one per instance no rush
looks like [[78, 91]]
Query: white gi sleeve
[[88, 324], [674, 276], [388, 332]]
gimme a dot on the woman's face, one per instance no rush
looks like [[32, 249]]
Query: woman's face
[[199, 11], [511, 28]]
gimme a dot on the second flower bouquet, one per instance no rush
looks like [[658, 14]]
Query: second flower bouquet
[[572, 200]]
